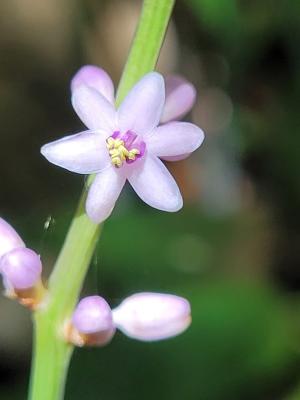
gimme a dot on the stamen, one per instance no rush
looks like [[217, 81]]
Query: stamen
[[124, 148]]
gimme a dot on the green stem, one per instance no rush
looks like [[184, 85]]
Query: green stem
[[147, 43], [51, 354], [51, 358]]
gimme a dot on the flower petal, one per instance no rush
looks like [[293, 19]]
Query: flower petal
[[141, 110], [176, 158], [9, 239], [180, 98], [155, 185], [84, 153], [174, 139], [94, 110], [94, 77], [103, 193]]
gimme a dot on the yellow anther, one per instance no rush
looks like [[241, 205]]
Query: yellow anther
[[110, 143], [118, 143], [116, 161], [123, 151], [133, 153], [113, 152], [118, 152]]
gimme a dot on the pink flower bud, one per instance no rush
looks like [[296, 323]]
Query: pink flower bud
[[9, 239], [180, 98], [92, 319], [95, 78], [152, 316], [21, 269]]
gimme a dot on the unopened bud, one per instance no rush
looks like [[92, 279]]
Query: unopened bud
[[21, 271], [152, 316], [92, 323], [21, 268]]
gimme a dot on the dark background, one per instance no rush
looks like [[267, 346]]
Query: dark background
[[233, 250]]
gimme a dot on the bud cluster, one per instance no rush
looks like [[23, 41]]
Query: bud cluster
[[143, 316]]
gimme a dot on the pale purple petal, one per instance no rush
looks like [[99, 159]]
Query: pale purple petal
[[92, 315], [155, 185], [180, 98], [21, 268], [94, 77], [174, 139], [94, 110], [176, 158], [152, 316], [141, 110], [103, 193], [9, 239], [84, 153]]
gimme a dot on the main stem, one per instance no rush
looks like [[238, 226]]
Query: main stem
[[51, 355]]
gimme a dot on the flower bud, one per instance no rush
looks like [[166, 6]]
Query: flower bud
[[21, 271], [9, 239], [92, 322], [95, 78], [152, 316], [21, 268]]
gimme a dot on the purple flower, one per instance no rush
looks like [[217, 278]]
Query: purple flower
[[20, 267], [127, 144], [152, 316]]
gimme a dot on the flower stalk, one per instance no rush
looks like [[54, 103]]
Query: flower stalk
[[147, 43], [51, 355]]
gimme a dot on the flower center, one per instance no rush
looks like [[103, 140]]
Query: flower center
[[125, 147]]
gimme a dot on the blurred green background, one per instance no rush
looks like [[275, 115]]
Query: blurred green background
[[233, 250]]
